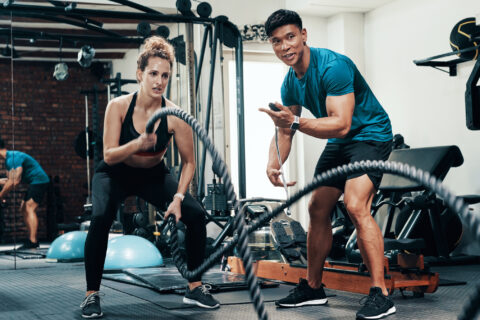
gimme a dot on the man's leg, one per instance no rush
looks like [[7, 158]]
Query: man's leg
[[319, 241], [358, 198], [319, 237], [29, 209], [359, 193]]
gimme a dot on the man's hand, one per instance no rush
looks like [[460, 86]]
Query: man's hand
[[175, 208], [274, 175], [282, 118], [146, 141]]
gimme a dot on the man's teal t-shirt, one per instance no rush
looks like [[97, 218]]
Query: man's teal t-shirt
[[32, 171], [333, 74]]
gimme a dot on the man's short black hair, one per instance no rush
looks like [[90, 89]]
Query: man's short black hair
[[2, 144], [280, 18]]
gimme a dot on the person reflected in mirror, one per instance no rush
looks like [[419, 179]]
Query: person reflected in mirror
[[23, 168]]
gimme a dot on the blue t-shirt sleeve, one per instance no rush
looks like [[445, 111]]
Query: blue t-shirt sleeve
[[14, 162], [287, 97], [338, 78]]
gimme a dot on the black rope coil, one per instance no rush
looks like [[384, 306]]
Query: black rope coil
[[453, 202]]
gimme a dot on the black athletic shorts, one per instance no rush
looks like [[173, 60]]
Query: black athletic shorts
[[336, 154], [36, 192]]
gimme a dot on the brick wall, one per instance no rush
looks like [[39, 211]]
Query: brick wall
[[48, 115]]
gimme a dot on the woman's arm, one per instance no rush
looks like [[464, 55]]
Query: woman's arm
[[184, 141]]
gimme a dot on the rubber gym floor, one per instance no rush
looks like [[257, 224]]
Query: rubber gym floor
[[37, 289]]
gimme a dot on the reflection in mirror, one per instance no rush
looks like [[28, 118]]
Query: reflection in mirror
[[7, 201], [64, 75]]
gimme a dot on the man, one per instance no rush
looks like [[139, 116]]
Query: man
[[23, 168], [358, 128]]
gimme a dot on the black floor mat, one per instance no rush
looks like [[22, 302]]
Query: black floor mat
[[168, 279], [170, 282], [38, 253]]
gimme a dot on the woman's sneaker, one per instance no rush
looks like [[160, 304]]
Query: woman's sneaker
[[91, 306], [303, 295], [376, 305], [200, 296]]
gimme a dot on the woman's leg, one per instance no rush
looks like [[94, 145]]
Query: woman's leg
[[106, 196]]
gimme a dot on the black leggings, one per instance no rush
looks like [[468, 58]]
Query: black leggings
[[111, 185]]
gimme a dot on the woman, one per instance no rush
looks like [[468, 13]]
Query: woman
[[133, 165]]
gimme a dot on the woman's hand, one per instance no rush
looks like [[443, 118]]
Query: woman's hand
[[146, 141], [175, 208]]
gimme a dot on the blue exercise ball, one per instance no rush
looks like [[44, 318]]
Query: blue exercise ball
[[67, 247], [131, 252]]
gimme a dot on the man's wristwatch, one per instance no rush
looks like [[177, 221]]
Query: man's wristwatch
[[295, 124]]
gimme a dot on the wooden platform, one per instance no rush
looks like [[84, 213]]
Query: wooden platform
[[409, 275]]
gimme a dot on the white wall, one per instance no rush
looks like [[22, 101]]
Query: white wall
[[425, 105], [127, 68]]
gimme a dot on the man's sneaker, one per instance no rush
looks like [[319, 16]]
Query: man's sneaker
[[29, 245], [200, 296], [91, 306], [376, 305], [303, 295]]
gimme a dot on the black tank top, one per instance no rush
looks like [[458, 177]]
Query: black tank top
[[129, 133]]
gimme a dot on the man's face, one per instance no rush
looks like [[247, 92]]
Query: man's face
[[288, 43]]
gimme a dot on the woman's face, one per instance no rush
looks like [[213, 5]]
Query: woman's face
[[154, 79]]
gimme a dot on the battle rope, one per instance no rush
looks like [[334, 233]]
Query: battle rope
[[454, 203]]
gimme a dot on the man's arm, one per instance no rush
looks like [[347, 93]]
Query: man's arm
[[285, 136], [337, 124], [14, 178]]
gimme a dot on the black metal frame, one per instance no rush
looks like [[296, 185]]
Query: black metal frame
[[472, 99], [451, 64]]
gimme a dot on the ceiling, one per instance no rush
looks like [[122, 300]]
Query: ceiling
[[38, 38], [328, 8], [39, 35]]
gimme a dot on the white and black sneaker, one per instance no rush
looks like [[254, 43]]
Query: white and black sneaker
[[303, 295], [376, 305], [91, 306], [200, 296]]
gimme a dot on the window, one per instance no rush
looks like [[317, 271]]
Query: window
[[262, 80]]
